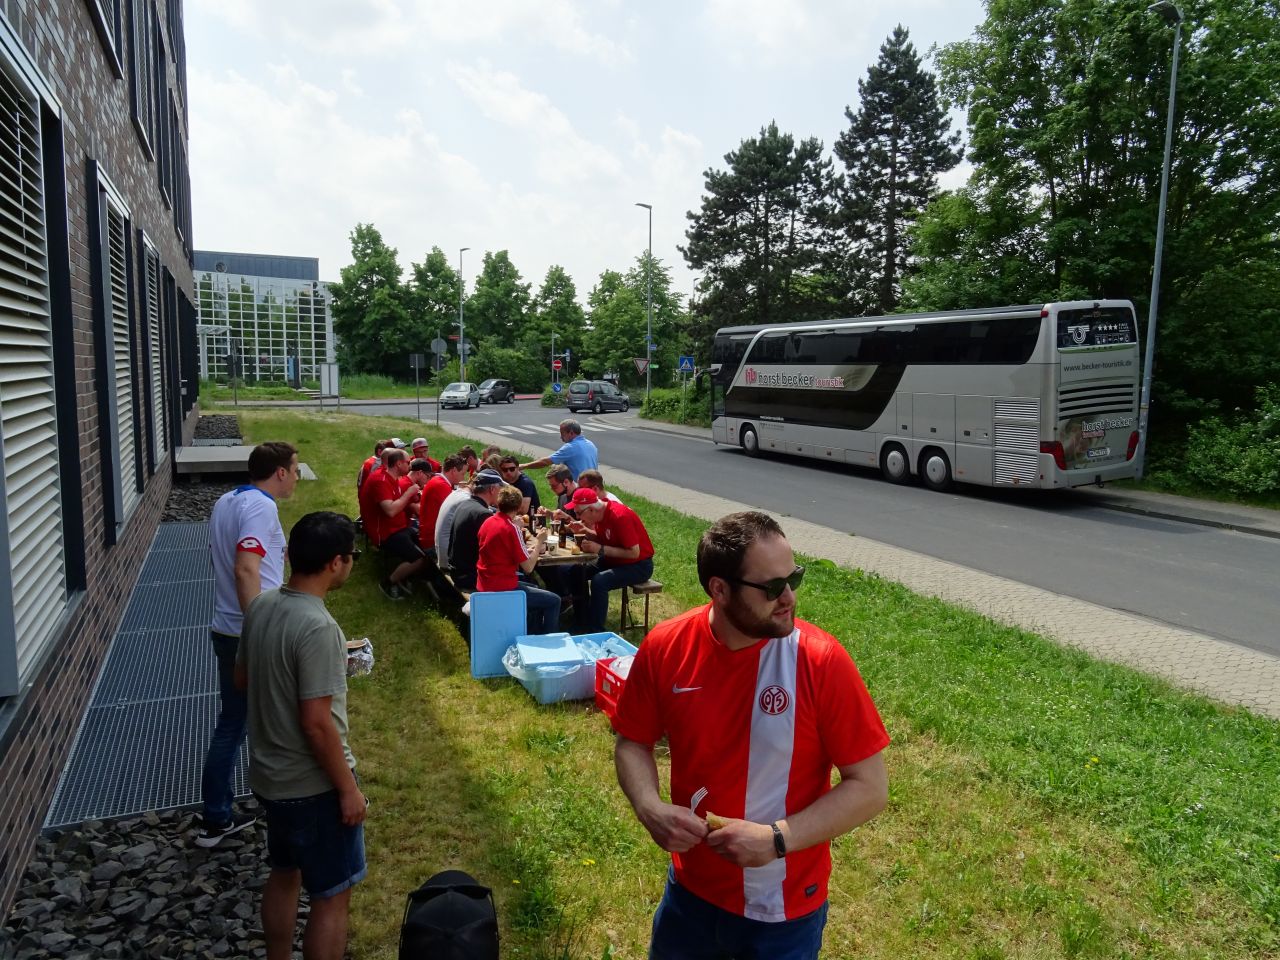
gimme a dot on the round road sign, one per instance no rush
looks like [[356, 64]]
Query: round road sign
[[557, 387], [556, 364], [439, 346]]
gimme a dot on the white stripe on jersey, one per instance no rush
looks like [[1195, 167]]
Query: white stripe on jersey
[[769, 768]]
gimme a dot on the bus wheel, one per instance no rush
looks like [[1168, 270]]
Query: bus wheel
[[893, 464], [935, 470], [750, 442]]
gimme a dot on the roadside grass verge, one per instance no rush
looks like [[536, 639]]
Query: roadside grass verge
[[1043, 804], [360, 386]]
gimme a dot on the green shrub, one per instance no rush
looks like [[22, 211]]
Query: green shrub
[[1241, 456], [673, 405], [552, 399]]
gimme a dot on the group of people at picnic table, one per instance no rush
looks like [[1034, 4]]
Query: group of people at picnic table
[[476, 523]]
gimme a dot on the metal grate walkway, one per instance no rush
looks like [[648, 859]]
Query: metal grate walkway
[[142, 741]]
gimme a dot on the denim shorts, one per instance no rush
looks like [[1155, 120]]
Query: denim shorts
[[308, 835]]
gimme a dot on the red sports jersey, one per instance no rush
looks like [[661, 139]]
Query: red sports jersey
[[368, 509], [383, 486], [501, 552], [761, 729], [433, 494], [621, 527], [366, 468]]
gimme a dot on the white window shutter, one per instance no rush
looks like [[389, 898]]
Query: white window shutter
[[122, 356], [33, 574], [158, 416]]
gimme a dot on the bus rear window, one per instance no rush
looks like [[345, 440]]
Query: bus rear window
[[1096, 328]]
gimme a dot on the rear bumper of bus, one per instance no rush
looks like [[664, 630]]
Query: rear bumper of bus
[[1055, 478]]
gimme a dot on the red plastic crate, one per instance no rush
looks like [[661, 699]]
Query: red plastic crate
[[608, 687]]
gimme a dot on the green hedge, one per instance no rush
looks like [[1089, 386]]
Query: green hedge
[[690, 405], [1242, 456]]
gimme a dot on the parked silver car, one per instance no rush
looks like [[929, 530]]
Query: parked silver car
[[460, 395]]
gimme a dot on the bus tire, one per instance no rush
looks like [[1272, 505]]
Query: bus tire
[[750, 442], [935, 470], [894, 463]]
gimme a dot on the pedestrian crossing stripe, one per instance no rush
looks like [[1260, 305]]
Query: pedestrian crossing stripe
[[606, 426]]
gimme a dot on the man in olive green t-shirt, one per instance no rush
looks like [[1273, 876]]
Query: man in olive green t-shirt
[[292, 658]]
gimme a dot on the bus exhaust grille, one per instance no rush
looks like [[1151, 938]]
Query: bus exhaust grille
[[1016, 467], [1094, 398], [1018, 408]]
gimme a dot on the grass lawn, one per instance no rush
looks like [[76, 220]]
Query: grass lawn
[[1042, 804], [355, 387]]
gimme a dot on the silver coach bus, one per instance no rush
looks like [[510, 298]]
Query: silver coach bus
[[1029, 396]]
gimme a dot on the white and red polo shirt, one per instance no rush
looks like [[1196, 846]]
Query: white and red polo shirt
[[243, 520], [761, 730]]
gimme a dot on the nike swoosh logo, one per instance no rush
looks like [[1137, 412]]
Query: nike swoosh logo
[[675, 689]]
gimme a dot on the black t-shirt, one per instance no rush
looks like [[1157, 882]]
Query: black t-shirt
[[464, 541], [524, 483]]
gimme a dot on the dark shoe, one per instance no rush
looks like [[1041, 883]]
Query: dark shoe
[[406, 588], [213, 834], [391, 590]]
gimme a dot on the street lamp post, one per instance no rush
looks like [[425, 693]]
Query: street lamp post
[[648, 296], [462, 331], [1170, 12]]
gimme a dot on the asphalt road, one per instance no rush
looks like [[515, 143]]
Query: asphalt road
[[1213, 581]]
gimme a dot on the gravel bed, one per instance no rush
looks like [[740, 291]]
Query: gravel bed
[[218, 426], [140, 888], [192, 500]]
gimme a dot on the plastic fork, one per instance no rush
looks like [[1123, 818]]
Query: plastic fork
[[699, 795]]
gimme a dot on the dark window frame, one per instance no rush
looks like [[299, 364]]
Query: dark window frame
[[142, 67], [108, 20]]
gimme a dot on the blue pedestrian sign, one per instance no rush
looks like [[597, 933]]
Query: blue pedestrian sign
[[686, 365], [557, 387]]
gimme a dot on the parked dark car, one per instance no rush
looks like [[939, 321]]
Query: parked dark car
[[596, 396], [497, 391]]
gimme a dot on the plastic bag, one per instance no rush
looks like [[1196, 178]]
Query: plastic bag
[[359, 658], [515, 666], [622, 666]]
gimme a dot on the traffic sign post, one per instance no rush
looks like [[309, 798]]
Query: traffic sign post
[[642, 365]]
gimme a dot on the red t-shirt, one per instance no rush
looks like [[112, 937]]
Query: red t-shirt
[[369, 510], [365, 469], [501, 553], [761, 729], [383, 486], [621, 527], [433, 494]]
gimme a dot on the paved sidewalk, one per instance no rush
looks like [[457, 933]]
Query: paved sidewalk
[[1224, 671]]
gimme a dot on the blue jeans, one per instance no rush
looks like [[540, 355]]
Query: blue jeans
[[228, 734], [686, 927], [543, 608], [613, 578], [308, 835]]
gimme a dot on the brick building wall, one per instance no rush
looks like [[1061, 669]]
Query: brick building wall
[[63, 40]]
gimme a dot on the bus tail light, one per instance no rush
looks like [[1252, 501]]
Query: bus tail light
[[1133, 445], [1055, 447]]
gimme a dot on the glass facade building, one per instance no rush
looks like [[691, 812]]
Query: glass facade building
[[274, 328]]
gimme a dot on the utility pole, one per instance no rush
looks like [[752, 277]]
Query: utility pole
[[648, 296], [462, 330]]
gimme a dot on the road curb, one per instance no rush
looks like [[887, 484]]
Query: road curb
[[1161, 514]]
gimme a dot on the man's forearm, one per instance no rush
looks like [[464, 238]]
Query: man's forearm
[[535, 464], [849, 804], [637, 774], [326, 747], [248, 586]]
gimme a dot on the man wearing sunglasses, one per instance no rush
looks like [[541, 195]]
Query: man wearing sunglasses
[[757, 706]]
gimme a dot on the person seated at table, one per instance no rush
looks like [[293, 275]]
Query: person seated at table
[[560, 480], [593, 480], [617, 536], [509, 467], [420, 449], [464, 538], [503, 553], [419, 473], [386, 498], [493, 462], [576, 452], [492, 450], [371, 464]]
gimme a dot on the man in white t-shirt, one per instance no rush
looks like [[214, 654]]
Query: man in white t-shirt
[[247, 545]]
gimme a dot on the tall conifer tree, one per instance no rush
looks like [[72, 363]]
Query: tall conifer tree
[[896, 145]]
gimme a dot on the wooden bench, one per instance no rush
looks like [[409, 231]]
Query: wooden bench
[[646, 590]]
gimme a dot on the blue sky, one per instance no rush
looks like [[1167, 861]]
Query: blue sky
[[531, 127]]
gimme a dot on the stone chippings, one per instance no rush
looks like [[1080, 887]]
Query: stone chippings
[[139, 888], [192, 501], [216, 426]]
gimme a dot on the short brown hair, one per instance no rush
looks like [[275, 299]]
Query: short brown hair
[[592, 479], [454, 462], [266, 458], [509, 459], [467, 452], [560, 471], [394, 456], [492, 450], [493, 461], [724, 545], [509, 499]]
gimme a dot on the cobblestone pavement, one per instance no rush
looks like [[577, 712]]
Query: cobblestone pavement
[[1223, 671]]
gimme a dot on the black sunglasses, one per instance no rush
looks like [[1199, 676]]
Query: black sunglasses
[[354, 555], [773, 588]]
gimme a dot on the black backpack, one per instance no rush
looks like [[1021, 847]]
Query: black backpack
[[450, 917]]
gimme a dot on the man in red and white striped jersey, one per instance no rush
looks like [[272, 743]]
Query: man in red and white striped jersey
[[757, 707]]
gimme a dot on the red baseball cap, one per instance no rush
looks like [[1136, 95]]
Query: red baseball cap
[[582, 497]]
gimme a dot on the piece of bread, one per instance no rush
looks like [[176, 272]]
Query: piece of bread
[[714, 822]]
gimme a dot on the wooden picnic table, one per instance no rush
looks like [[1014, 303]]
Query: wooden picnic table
[[555, 557]]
